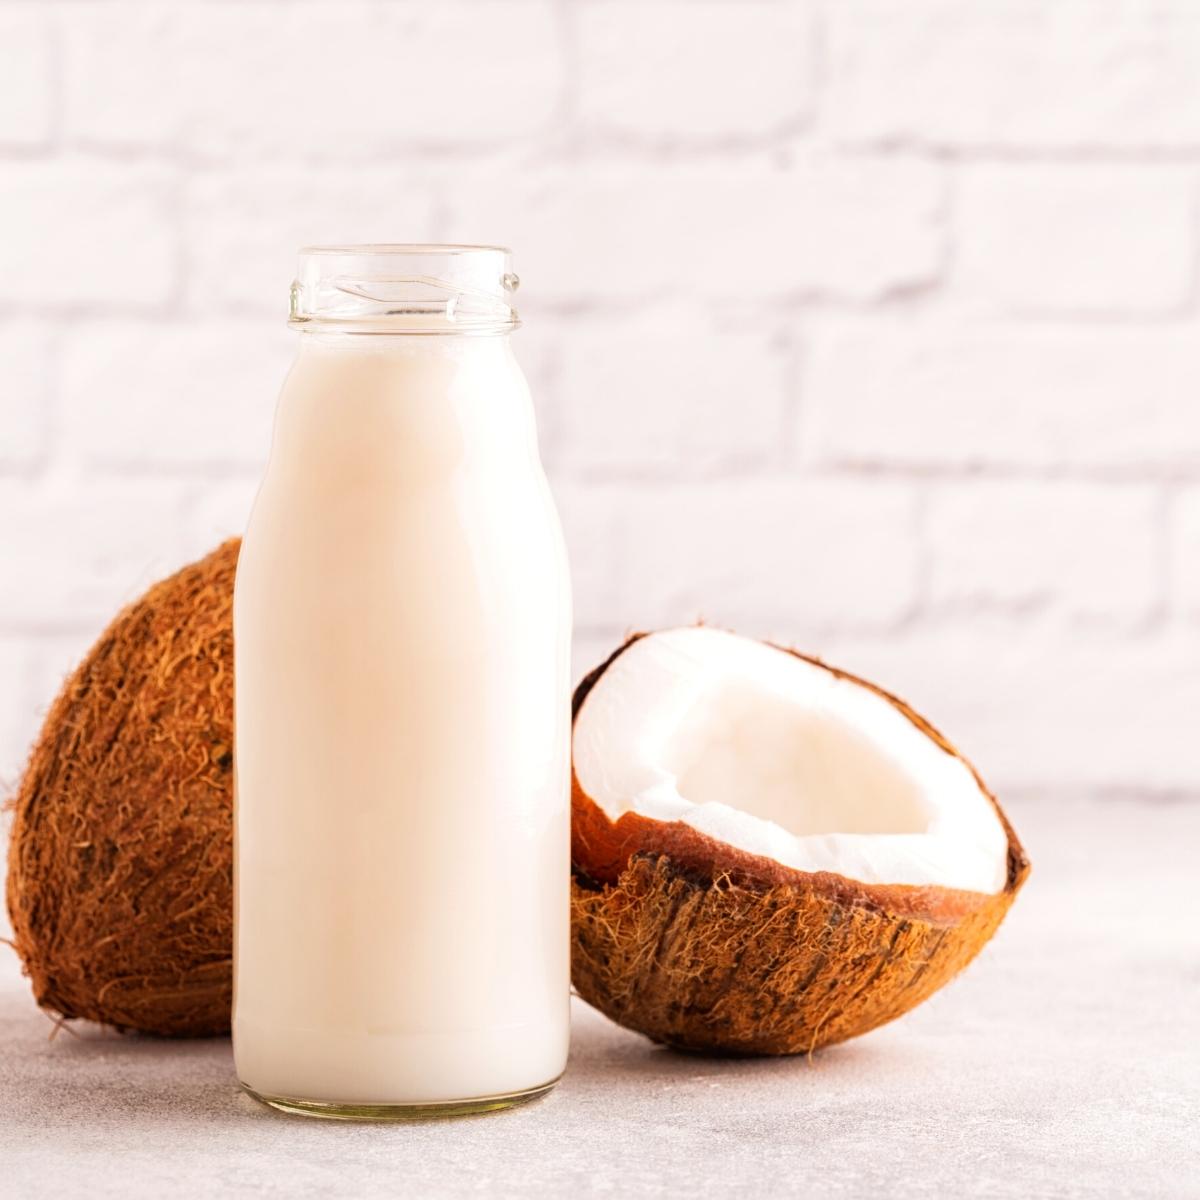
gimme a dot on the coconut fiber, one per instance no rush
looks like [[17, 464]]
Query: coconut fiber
[[120, 875]]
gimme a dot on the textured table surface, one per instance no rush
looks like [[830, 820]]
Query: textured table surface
[[1065, 1062]]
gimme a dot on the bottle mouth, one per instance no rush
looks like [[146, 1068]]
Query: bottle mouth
[[404, 288]]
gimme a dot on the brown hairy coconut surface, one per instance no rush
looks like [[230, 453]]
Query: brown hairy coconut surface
[[120, 877], [704, 947]]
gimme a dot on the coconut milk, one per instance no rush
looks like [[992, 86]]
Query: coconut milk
[[402, 708]]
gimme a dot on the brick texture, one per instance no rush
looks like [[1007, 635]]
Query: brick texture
[[645, 401], [871, 327], [1017, 74], [676, 85], [1084, 551], [930, 395], [25, 361], [1185, 555], [266, 80], [26, 66], [82, 233], [191, 395], [833, 553], [1078, 239]]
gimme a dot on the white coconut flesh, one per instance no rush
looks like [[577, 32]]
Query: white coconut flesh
[[777, 757]]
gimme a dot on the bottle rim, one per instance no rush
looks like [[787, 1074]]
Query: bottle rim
[[404, 287]]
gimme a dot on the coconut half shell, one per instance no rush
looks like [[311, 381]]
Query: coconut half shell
[[701, 945], [120, 867]]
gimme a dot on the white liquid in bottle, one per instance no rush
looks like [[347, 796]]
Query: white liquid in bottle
[[401, 623]]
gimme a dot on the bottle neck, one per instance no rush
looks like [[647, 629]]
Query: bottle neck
[[400, 343]]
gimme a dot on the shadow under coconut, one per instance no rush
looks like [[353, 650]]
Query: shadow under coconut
[[601, 1049], [733, 1101]]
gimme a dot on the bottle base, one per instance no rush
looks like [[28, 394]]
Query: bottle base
[[399, 1112]]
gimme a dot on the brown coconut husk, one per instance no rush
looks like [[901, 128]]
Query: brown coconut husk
[[698, 945], [120, 869]]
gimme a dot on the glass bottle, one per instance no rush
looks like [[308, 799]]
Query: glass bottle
[[402, 628]]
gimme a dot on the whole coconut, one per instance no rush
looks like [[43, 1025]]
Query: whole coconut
[[120, 870]]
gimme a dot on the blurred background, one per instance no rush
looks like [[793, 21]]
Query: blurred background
[[869, 326]]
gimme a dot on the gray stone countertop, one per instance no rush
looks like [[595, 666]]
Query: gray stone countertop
[[1064, 1062]]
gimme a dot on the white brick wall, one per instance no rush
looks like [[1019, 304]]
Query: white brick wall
[[607, 371], [871, 326], [1106, 76], [1185, 555], [27, 115], [1077, 239], [78, 232], [160, 396], [934, 395], [666, 76], [25, 357], [330, 80], [1081, 552]]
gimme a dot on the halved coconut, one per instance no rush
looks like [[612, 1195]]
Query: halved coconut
[[770, 855]]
